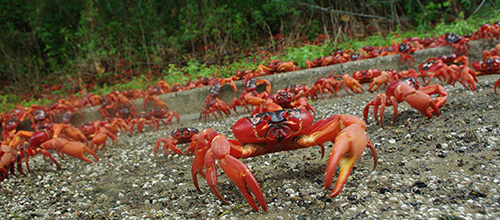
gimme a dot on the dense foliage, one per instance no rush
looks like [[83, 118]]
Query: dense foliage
[[78, 43]]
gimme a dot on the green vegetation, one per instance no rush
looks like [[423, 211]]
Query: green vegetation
[[99, 46]]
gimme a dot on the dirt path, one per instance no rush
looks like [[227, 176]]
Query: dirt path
[[447, 167]]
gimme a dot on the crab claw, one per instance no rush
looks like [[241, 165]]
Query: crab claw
[[202, 146], [237, 171], [192, 145], [348, 148]]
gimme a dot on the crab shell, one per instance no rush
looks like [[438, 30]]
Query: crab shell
[[272, 127]]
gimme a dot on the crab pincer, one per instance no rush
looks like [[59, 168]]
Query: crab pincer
[[348, 148]]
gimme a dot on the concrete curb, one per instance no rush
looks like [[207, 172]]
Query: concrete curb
[[188, 104]]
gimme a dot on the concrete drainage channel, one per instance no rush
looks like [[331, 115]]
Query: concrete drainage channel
[[188, 104]]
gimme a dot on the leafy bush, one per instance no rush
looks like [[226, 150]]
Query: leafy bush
[[87, 40]]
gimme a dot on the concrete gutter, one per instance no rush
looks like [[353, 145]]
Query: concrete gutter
[[190, 103]]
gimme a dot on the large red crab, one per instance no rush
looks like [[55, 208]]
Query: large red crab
[[282, 130], [410, 91]]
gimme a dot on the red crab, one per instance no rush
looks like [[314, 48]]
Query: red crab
[[282, 130], [99, 138], [283, 99], [250, 95], [288, 100], [405, 50], [277, 66], [65, 139], [8, 158], [12, 151], [365, 76], [460, 43], [465, 75], [326, 84], [112, 102], [371, 51], [488, 31], [98, 132], [91, 100], [488, 66], [179, 136], [144, 118], [433, 68], [156, 102], [385, 77], [159, 114], [322, 61], [494, 52], [407, 90], [458, 71], [350, 83], [213, 103]]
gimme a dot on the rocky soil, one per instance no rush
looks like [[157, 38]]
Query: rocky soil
[[446, 167]]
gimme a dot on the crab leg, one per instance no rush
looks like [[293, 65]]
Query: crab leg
[[202, 146], [380, 100], [497, 83], [210, 147], [77, 149], [167, 143]]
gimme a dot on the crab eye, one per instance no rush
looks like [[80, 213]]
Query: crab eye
[[295, 113], [255, 119], [427, 65], [410, 81]]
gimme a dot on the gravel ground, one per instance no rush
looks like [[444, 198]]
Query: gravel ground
[[447, 167]]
